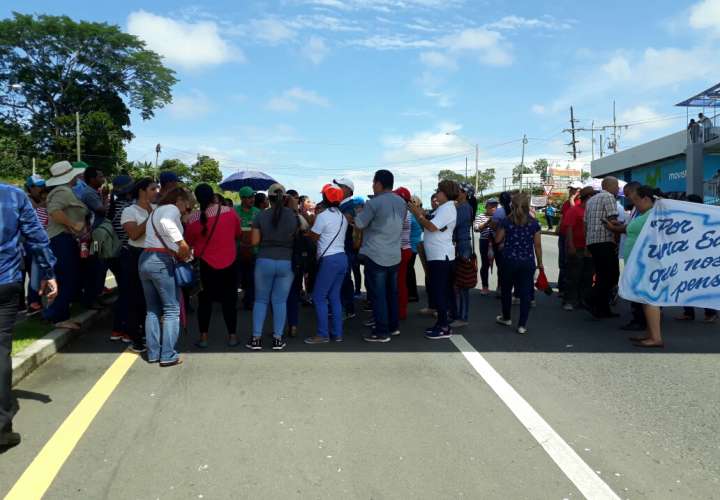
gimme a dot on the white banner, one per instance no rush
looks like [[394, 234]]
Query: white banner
[[538, 201], [676, 259]]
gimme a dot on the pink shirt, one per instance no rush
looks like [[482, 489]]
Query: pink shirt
[[221, 250]]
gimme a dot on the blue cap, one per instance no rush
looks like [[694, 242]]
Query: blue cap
[[34, 181], [168, 176], [122, 184]]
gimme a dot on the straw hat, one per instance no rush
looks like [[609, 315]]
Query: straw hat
[[62, 173]]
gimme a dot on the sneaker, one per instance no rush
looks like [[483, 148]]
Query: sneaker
[[316, 339], [515, 301], [502, 321], [458, 323], [8, 439], [369, 323], [376, 338], [279, 344], [568, 307], [426, 311], [126, 339], [439, 334], [395, 333], [137, 347], [336, 338], [254, 343], [522, 330], [175, 362], [116, 336]]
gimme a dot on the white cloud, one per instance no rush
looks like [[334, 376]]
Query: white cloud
[[271, 30], [645, 119], [487, 43], [189, 45], [617, 68], [538, 109], [706, 15], [435, 59], [192, 105], [442, 141], [517, 22], [291, 99], [393, 42], [315, 50], [383, 5], [441, 99]]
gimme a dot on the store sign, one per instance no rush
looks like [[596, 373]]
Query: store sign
[[676, 258]]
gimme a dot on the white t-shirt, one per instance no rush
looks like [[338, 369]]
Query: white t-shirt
[[138, 215], [169, 224], [439, 245], [328, 224]]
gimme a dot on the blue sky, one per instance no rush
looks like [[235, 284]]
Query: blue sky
[[307, 90]]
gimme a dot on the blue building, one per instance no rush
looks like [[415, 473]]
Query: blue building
[[686, 162]]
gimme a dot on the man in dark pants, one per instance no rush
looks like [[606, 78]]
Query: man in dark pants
[[381, 222], [245, 263], [17, 218], [347, 207], [599, 210]]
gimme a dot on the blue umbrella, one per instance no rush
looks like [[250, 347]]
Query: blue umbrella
[[257, 181]]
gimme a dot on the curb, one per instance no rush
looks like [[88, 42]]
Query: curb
[[37, 353]]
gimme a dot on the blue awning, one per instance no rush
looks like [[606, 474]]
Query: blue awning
[[709, 98]]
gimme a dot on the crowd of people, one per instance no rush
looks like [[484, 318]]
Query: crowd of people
[[275, 252]]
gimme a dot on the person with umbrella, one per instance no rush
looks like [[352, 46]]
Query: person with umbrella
[[247, 211]]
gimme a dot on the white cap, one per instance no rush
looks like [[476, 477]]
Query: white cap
[[576, 185], [344, 181]]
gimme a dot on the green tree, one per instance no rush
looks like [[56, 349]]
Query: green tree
[[540, 166], [52, 67], [485, 178], [206, 169], [585, 175], [138, 170], [179, 167], [519, 171], [451, 175]]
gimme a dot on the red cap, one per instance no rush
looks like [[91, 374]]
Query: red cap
[[403, 193], [333, 194]]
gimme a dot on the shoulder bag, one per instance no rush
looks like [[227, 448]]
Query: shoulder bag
[[466, 269]]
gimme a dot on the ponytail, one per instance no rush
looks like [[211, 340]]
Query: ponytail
[[204, 195]]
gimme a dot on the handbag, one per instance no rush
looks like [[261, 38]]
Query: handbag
[[466, 268], [542, 283]]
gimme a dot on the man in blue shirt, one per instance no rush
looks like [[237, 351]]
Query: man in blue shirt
[[17, 218]]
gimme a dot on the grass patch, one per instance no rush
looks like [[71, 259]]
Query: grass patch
[[30, 329]]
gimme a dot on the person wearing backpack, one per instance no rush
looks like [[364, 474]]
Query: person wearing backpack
[[213, 232], [329, 231]]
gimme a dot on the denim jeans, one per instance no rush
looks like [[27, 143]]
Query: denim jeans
[[518, 275], [348, 288], [67, 272], [440, 288], [330, 279], [382, 286], [273, 279], [162, 296], [9, 296]]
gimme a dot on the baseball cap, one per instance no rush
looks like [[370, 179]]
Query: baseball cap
[[403, 193], [246, 192], [492, 201], [168, 176], [333, 194], [344, 181], [575, 185], [276, 189], [122, 184], [34, 181]]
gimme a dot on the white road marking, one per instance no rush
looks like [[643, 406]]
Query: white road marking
[[582, 476]]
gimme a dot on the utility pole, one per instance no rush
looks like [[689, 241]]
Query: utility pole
[[592, 142], [477, 169], [33, 163], [522, 159], [601, 146], [157, 155], [573, 142], [77, 133], [614, 142]]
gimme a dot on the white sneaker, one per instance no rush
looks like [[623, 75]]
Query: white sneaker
[[568, 307], [459, 323], [502, 321], [522, 330], [395, 333]]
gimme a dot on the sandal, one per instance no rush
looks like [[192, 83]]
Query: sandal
[[649, 346], [175, 362]]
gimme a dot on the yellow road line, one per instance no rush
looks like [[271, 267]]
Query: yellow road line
[[42, 471]]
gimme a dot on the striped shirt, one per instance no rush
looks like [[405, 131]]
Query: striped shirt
[[42, 215], [405, 235], [487, 232], [120, 205]]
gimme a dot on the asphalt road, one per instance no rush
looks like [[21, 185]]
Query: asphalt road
[[409, 419]]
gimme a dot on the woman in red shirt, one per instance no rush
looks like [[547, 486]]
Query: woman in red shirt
[[212, 232]]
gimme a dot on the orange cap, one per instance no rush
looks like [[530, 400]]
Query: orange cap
[[403, 193], [333, 194]]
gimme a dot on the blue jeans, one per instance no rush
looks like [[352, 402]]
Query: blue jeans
[[273, 279], [517, 274], [162, 296], [67, 272], [328, 284], [381, 283]]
